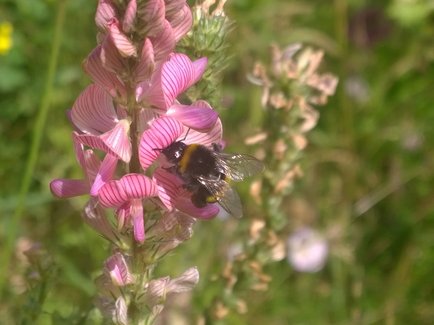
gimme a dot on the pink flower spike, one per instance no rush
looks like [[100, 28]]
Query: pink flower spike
[[174, 77], [199, 115], [174, 6], [105, 12], [67, 188], [129, 16], [162, 133], [105, 173], [124, 45], [108, 80]]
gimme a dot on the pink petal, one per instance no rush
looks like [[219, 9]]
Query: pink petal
[[124, 45], [105, 12], [199, 67], [146, 117], [177, 74], [118, 270], [137, 186], [93, 111], [162, 133], [129, 16], [181, 22], [104, 174], [169, 186], [91, 166], [118, 140], [110, 57], [66, 188], [164, 42], [198, 115], [115, 141], [184, 204], [79, 150], [112, 194], [94, 215], [101, 76], [146, 64], [151, 14], [137, 220], [205, 138], [173, 6]]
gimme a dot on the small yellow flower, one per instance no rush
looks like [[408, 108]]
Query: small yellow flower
[[6, 30]]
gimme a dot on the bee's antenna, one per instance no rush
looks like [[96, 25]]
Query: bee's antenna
[[185, 137]]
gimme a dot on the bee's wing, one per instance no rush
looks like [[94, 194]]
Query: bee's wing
[[225, 195], [238, 166]]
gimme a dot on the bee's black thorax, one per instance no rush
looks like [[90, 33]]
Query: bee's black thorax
[[197, 160], [174, 152]]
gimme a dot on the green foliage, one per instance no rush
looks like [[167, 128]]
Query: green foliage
[[368, 168]]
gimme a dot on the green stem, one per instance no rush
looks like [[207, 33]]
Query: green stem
[[13, 222]]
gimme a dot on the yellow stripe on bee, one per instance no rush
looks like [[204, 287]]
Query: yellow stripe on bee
[[211, 199], [185, 159]]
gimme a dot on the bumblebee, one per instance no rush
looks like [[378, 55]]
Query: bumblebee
[[206, 173]]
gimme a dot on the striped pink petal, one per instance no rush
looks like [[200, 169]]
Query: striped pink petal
[[169, 186], [184, 204], [146, 117], [207, 138], [137, 220], [104, 173], [151, 13], [91, 166], [118, 270], [115, 141], [129, 16], [123, 44], [199, 67], [101, 76], [146, 64], [176, 75], [164, 42], [66, 188], [181, 22], [161, 134], [110, 58], [199, 115], [138, 186], [105, 12], [173, 6], [112, 194], [93, 111]]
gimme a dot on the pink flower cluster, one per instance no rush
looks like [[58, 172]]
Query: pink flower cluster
[[131, 111]]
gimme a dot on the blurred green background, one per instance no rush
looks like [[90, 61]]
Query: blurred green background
[[368, 168]]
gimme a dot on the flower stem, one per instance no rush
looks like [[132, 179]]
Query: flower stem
[[12, 223]]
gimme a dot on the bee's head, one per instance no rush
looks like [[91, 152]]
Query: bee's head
[[174, 152]]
